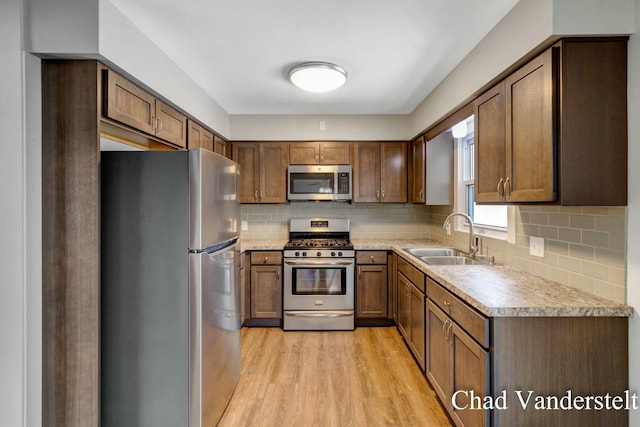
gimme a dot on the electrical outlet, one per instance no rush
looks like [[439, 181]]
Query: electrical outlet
[[244, 226], [536, 246]]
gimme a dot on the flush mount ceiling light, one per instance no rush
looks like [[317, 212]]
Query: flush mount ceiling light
[[317, 77]]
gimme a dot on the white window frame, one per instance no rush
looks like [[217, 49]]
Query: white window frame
[[460, 198]]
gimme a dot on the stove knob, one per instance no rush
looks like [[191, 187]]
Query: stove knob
[[319, 254], [333, 254], [339, 253], [297, 253], [304, 254]]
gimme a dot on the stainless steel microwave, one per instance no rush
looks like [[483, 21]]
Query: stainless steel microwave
[[319, 182]]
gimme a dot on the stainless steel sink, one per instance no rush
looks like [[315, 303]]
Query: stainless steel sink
[[431, 252], [450, 260]]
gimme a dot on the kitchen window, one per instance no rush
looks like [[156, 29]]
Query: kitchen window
[[489, 220]]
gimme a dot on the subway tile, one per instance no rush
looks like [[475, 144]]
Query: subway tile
[[609, 257], [597, 271], [540, 269], [582, 282], [611, 224], [570, 264], [557, 247], [595, 238], [524, 217], [617, 276], [559, 220], [610, 291], [548, 232], [595, 210], [569, 235], [583, 222], [618, 242], [570, 209], [582, 252], [539, 218], [549, 208]]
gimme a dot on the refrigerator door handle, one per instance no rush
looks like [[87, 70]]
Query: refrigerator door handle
[[217, 247]]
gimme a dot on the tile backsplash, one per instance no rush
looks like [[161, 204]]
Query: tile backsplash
[[367, 221], [585, 247]]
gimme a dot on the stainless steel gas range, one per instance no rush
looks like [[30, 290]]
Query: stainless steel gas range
[[319, 264]]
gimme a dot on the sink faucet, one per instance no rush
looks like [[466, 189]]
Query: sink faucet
[[472, 247]]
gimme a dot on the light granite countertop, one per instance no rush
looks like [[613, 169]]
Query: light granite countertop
[[494, 290]]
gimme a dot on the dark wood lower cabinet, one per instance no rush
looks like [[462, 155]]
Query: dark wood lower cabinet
[[516, 371]]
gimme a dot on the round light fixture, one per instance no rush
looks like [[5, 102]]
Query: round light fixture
[[317, 77]]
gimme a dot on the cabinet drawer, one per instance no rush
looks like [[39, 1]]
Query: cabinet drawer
[[269, 258], [371, 257], [471, 321], [416, 276]]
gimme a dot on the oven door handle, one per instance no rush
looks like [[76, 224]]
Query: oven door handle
[[316, 263], [319, 313]]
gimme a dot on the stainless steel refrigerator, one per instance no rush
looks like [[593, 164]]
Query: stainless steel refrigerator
[[170, 288]]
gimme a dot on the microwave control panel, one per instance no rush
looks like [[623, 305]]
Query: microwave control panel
[[343, 183]]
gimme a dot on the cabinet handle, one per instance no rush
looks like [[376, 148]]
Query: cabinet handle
[[261, 195], [158, 125], [420, 195], [255, 196], [448, 334], [372, 260], [322, 157], [499, 188], [316, 157], [377, 194], [266, 260], [278, 274], [359, 272], [444, 327], [383, 195], [507, 188]]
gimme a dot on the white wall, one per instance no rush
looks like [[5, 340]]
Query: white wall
[[307, 127], [12, 219], [96, 29], [633, 219]]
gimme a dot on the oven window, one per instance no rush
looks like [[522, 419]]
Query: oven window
[[319, 281], [311, 183]]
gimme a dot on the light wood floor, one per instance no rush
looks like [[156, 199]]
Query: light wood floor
[[361, 378]]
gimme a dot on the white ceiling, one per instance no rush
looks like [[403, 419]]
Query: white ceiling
[[239, 51]]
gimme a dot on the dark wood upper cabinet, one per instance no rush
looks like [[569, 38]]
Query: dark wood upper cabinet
[[418, 172], [130, 105], [263, 166], [312, 153], [199, 137], [380, 172], [542, 132]]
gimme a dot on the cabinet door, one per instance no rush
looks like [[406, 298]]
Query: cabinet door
[[530, 131], [207, 140], [366, 172], [393, 172], [266, 292], [304, 153], [470, 371], [335, 153], [371, 291], [404, 306], [220, 146], [198, 137], [274, 159], [172, 125], [438, 356], [129, 104], [247, 155], [417, 343], [489, 145], [418, 152], [392, 285]]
